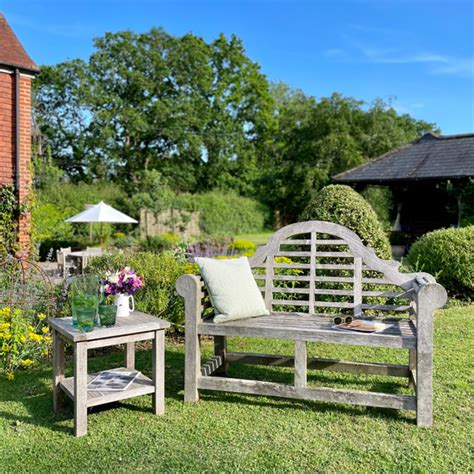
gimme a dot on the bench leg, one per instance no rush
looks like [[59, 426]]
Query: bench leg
[[412, 368], [220, 349], [424, 389], [301, 364], [192, 367]]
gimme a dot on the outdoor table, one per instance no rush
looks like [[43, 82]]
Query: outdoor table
[[127, 330], [81, 257]]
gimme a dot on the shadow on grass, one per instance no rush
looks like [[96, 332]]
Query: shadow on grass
[[33, 389]]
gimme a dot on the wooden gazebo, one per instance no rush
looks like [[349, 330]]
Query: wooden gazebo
[[424, 177]]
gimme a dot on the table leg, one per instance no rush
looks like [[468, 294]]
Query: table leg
[[130, 355], [159, 372], [58, 371], [80, 388]]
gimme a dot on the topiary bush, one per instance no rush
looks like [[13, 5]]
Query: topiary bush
[[448, 254], [342, 205], [160, 272]]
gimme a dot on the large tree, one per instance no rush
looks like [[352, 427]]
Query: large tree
[[194, 111], [316, 139]]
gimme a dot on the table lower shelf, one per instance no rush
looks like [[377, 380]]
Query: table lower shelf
[[142, 385]]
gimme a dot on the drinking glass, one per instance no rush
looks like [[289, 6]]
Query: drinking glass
[[85, 294], [107, 314], [86, 318]]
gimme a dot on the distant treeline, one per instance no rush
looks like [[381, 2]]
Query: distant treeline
[[205, 118]]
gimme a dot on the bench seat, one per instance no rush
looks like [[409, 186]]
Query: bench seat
[[309, 328]]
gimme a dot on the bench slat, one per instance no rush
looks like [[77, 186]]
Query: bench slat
[[354, 397], [332, 365], [309, 328]]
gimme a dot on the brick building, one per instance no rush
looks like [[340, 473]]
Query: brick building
[[17, 71]]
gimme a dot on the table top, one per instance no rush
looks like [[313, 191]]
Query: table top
[[136, 323], [85, 253]]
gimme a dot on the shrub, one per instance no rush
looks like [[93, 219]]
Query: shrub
[[49, 247], [122, 241], [224, 214], [159, 272], [211, 247], [8, 220], [448, 254], [160, 243], [24, 339], [342, 205], [242, 247], [57, 203]]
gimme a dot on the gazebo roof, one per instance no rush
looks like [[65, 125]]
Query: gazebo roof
[[12, 53], [431, 158]]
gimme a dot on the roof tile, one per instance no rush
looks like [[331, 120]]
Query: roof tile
[[12, 52], [429, 158]]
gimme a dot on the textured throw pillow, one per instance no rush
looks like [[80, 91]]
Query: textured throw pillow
[[232, 289]]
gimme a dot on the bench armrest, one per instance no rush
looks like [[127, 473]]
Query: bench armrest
[[429, 297]]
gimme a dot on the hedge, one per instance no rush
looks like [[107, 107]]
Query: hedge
[[448, 254], [342, 205], [224, 213], [160, 272]]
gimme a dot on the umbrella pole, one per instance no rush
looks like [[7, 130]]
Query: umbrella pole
[[91, 232]]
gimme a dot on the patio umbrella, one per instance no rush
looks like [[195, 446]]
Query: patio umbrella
[[102, 213]]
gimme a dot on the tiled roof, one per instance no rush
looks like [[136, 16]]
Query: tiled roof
[[431, 157], [12, 53]]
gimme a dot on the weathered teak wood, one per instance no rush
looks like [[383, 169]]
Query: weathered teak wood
[[301, 364], [130, 355], [158, 371], [136, 327], [220, 349], [58, 371], [332, 365], [191, 286], [335, 272], [80, 389]]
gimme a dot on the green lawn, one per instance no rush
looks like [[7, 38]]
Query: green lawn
[[259, 239], [233, 433]]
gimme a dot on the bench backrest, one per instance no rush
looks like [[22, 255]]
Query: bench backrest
[[323, 268]]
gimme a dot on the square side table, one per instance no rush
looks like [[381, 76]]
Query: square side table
[[127, 330]]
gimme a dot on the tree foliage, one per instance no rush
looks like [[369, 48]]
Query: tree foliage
[[317, 139], [203, 116], [194, 111]]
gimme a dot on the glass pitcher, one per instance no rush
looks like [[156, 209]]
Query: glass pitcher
[[84, 294]]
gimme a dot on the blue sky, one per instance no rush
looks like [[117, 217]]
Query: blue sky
[[417, 53]]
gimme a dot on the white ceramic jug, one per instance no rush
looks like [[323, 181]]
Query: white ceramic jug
[[125, 303]]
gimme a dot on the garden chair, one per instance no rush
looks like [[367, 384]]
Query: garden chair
[[62, 260]]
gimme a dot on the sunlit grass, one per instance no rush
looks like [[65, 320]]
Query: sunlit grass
[[237, 433]]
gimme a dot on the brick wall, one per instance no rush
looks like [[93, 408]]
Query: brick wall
[[7, 143]]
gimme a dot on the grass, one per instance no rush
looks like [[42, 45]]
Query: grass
[[236, 433], [260, 238]]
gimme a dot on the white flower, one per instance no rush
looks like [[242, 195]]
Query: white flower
[[113, 278]]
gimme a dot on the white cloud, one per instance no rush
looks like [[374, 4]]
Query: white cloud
[[439, 64]]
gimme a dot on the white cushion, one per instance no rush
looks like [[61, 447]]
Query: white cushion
[[232, 288]]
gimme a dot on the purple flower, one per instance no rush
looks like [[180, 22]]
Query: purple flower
[[125, 281]]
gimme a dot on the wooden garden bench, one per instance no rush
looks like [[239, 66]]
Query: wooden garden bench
[[327, 269]]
